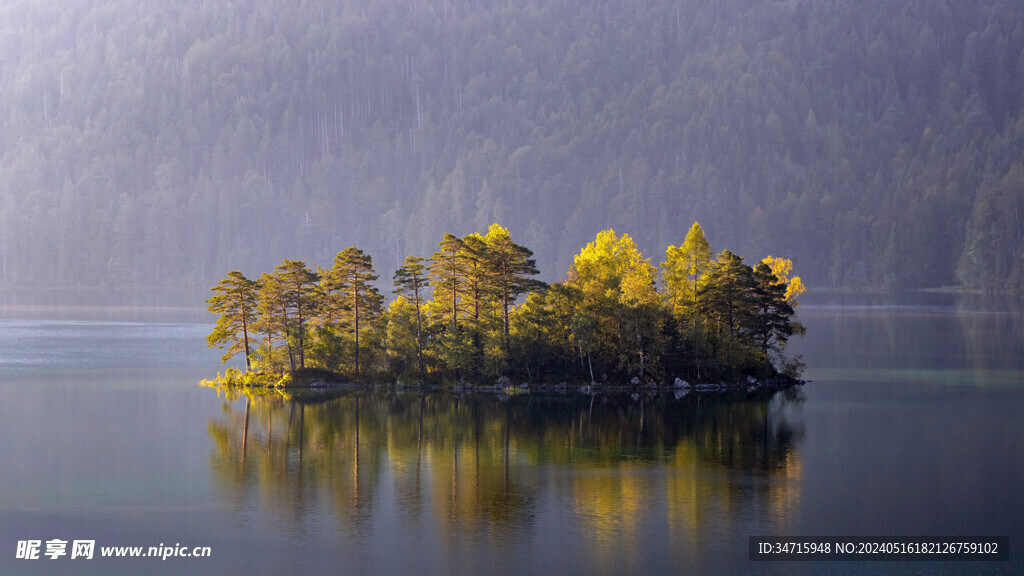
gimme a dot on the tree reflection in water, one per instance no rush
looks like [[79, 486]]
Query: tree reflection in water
[[479, 464]]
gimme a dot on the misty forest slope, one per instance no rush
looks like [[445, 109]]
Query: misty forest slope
[[876, 143]]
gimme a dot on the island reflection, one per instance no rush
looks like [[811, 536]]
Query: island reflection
[[618, 466]]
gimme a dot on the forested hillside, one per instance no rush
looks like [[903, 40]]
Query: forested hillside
[[875, 143]]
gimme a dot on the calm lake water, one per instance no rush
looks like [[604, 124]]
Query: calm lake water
[[912, 425]]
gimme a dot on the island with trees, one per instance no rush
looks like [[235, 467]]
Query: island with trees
[[473, 314]]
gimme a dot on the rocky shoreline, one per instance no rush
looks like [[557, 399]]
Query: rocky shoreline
[[679, 386], [325, 381]]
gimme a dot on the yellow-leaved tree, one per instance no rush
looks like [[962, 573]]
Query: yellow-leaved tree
[[782, 267], [618, 323], [685, 266]]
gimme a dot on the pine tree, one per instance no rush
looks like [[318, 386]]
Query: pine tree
[[236, 304], [771, 327], [351, 278], [510, 265], [411, 282], [478, 293], [726, 296], [300, 297], [274, 321], [448, 278]]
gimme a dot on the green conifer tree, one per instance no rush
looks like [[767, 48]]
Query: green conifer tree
[[351, 279], [511, 266], [411, 282], [727, 295], [300, 299], [771, 326], [448, 279], [236, 304]]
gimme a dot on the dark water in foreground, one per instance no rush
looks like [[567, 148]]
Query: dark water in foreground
[[912, 426]]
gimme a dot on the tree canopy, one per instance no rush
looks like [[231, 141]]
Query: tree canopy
[[235, 304], [684, 267], [476, 312], [359, 300]]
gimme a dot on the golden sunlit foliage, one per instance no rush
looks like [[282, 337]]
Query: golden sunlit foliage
[[710, 319], [683, 268], [781, 267]]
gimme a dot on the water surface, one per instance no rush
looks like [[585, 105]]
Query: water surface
[[911, 426]]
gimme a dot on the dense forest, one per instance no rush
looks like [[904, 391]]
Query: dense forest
[[617, 316], [146, 143]]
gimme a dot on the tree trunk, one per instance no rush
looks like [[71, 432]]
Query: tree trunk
[[455, 303], [288, 341], [245, 337], [302, 344], [504, 303], [355, 316], [419, 333]]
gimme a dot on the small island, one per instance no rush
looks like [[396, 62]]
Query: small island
[[474, 316]]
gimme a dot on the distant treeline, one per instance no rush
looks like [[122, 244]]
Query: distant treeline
[[617, 316], [145, 143]]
